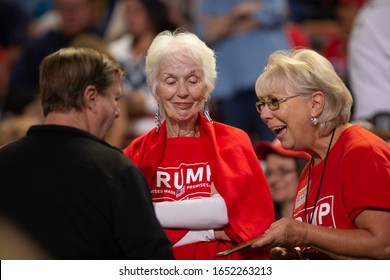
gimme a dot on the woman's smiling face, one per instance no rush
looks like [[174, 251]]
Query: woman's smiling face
[[180, 89], [290, 122]]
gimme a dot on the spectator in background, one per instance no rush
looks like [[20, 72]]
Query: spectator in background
[[282, 169], [13, 25], [182, 13], [307, 10], [144, 20], [62, 186], [77, 17], [16, 126], [13, 34], [369, 60], [33, 8], [108, 14], [243, 34], [335, 46], [16, 114], [327, 24]]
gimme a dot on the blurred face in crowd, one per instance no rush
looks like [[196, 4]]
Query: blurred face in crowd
[[76, 15], [137, 17], [180, 89], [282, 177]]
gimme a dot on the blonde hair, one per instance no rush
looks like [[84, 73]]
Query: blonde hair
[[304, 72]]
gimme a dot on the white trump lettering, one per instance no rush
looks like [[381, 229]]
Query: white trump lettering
[[176, 180], [191, 177], [323, 210], [178, 177], [198, 176], [322, 214], [319, 213], [163, 177]]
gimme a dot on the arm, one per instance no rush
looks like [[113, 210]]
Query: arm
[[371, 240], [239, 18], [198, 214], [245, 16], [194, 236]]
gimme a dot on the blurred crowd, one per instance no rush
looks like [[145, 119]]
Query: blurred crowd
[[243, 33]]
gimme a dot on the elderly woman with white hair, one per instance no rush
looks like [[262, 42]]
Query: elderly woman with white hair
[[342, 204], [206, 182]]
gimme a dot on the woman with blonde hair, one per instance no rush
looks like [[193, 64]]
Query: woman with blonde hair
[[342, 204]]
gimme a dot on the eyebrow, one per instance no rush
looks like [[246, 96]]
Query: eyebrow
[[193, 71]]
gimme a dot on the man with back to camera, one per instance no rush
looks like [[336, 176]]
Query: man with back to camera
[[72, 194]]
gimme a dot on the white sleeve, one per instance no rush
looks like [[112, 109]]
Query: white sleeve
[[198, 214], [194, 236]]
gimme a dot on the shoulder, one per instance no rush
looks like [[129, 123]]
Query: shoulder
[[234, 133], [359, 144], [358, 137], [135, 147], [8, 149], [229, 138], [108, 160]]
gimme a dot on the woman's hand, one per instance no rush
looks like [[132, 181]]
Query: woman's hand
[[221, 235], [279, 253], [285, 232]]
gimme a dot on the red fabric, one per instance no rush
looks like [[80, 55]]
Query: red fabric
[[183, 173], [238, 178], [263, 148], [2, 54], [297, 36], [356, 178]]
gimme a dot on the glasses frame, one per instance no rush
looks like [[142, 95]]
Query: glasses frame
[[280, 172], [273, 106]]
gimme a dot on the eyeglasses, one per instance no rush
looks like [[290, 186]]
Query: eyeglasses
[[281, 171], [272, 103]]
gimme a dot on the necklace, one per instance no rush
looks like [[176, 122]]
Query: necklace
[[319, 186]]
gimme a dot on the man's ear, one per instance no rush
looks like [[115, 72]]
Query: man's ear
[[317, 103], [91, 97]]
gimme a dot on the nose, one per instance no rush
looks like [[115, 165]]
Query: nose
[[272, 180], [182, 89], [266, 114]]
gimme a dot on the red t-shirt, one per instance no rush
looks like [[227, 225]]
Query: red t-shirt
[[235, 172], [357, 177], [183, 173]]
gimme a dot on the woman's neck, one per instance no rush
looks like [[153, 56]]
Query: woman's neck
[[323, 143], [187, 129]]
